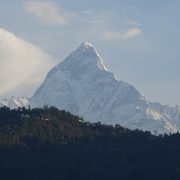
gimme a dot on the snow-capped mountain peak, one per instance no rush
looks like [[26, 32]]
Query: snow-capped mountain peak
[[86, 45], [86, 48], [85, 57], [82, 85]]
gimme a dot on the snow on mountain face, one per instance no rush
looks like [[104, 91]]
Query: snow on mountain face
[[3, 102], [82, 85], [14, 102]]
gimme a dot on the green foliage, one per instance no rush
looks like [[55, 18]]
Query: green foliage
[[51, 144]]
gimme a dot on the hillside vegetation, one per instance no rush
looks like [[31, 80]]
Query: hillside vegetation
[[49, 144]]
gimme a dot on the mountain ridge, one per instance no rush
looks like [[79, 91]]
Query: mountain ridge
[[82, 85]]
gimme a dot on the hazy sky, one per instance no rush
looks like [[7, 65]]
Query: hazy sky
[[139, 40]]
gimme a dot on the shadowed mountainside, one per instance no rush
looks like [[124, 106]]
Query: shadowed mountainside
[[52, 144]]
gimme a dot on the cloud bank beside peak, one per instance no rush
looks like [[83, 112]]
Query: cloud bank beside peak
[[21, 62]]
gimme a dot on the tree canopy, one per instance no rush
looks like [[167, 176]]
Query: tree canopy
[[55, 145]]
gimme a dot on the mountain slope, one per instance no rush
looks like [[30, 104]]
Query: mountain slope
[[82, 85], [49, 144]]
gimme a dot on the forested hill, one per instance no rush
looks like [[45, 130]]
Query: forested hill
[[49, 144]]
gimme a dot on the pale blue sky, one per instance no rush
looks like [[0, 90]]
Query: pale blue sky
[[139, 40]]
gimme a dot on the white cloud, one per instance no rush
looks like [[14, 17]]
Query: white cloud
[[21, 63], [48, 12], [134, 23], [130, 33], [95, 21]]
